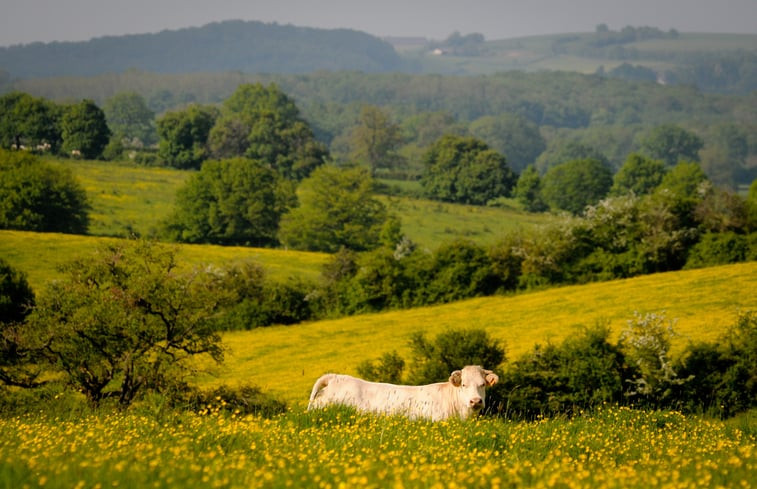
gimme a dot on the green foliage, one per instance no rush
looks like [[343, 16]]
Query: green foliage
[[28, 121], [36, 196], [16, 355], [725, 372], [458, 269], [183, 136], [232, 202], [84, 130], [638, 175], [124, 320], [388, 368], [528, 190], [434, 360], [573, 185], [337, 209], [561, 151], [646, 343], [513, 136], [130, 119], [719, 249], [584, 372], [263, 123], [238, 400], [376, 139], [671, 144], [16, 296], [465, 170]]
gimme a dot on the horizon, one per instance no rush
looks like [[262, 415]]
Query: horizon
[[46, 21]]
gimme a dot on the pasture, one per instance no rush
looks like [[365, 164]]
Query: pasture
[[40, 254], [286, 360], [128, 198]]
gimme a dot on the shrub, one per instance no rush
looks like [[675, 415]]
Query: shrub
[[36, 196], [388, 368], [583, 372]]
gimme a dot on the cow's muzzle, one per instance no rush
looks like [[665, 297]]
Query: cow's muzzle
[[476, 403]]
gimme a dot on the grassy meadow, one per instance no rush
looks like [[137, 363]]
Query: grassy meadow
[[613, 448], [40, 254], [128, 198]]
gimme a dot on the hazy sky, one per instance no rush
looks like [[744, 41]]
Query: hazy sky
[[24, 21]]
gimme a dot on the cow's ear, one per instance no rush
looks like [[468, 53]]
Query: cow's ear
[[456, 378], [491, 378]]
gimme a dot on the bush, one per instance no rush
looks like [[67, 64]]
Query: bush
[[244, 399], [433, 361], [585, 371], [388, 368], [36, 196], [718, 249]]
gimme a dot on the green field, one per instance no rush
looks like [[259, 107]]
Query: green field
[[128, 198], [40, 254]]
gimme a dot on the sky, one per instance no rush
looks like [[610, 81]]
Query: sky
[[26, 21]]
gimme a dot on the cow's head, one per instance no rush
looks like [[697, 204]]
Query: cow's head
[[472, 382]]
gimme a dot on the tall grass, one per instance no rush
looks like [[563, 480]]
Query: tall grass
[[336, 448]]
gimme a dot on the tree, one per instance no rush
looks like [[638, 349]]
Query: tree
[[639, 175], [84, 129], [28, 121], [573, 185], [724, 158], [183, 136], [671, 144], [465, 170], [231, 202], [130, 119], [376, 139], [263, 123], [37, 196], [528, 190], [337, 209], [16, 353], [512, 135], [561, 151], [126, 319]]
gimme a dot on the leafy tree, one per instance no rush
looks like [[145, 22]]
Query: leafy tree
[[36, 196], [671, 144], [639, 175], [17, 354], [388, 368], [337, 209], [131, 119], [528, 190], [263, 123], [183, 136], [28, 121], [84, 129], [725, 155], [465, 170], [561, 151], [231, 202], [573, 185], [751, 206], [512, 135], [459, 270], [376, 139], [125, 320]]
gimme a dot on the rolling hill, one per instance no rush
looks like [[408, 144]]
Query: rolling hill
[[220, 46], [286, 360]]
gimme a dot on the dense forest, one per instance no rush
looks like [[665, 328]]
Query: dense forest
[[232, 45], [529, 117]]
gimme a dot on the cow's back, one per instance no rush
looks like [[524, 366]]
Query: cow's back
[[428, 401]]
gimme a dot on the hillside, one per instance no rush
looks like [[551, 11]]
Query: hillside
[[286, 360], [222, 46]]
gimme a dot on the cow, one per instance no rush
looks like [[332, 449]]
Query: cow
[[461, 396]]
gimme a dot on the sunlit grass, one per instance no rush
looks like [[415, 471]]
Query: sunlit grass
[[40, 254]]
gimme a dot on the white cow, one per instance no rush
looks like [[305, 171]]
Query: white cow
[[462, 396]]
